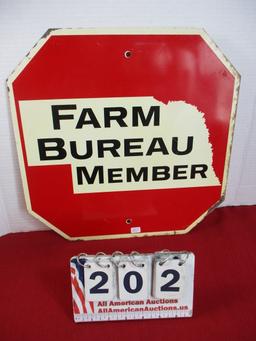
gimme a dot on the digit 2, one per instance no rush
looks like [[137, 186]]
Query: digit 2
[[175, 277], [97, 289]]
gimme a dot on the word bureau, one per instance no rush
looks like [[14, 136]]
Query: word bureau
[[132, 286]]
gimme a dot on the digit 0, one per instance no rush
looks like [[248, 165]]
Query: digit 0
[[127, 282]]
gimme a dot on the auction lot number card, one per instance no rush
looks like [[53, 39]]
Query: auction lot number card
[[132, 286]]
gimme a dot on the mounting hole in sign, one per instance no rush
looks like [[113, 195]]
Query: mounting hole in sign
[[128, 54], [128, 221]]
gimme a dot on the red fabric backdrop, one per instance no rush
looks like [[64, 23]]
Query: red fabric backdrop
[[35, 295]]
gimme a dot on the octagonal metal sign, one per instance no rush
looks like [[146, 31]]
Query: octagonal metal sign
[[123, 132]]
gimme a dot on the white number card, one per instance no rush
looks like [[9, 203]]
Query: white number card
[[133, 278], [132, 286], [169, 275], [99, 278]]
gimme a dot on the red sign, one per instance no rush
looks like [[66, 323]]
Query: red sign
[[123, 133]]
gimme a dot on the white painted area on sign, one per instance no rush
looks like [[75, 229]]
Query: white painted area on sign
[[120, 144]]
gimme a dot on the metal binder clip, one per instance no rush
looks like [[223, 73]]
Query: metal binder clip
[[116, 262], [133, 256], [84, 255], [183, 261], [174, 255], [98, 260]]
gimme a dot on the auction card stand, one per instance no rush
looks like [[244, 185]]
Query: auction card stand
[[135, 286]]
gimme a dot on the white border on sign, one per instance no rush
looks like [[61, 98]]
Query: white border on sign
[[120, 31]]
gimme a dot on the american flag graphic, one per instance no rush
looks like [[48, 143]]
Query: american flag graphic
[[80, 304]]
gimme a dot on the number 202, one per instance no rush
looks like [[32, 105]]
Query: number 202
[[132, 284]]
